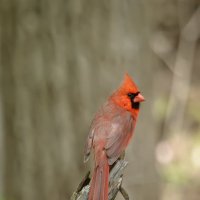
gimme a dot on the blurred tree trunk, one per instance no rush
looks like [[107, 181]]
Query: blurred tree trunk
[[59, 61]]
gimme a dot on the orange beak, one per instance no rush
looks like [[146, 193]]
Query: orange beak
[[139, 98]]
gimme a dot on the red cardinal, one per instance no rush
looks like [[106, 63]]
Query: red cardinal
[[110, 133]]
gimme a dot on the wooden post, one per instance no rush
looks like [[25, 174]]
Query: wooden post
[[115, 183]]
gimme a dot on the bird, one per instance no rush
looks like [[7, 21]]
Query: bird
[[110, 132]]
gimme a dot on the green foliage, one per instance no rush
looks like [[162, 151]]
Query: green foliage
[[194, 110], [176, 174], [1, 197]]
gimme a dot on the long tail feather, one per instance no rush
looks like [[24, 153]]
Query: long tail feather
[[99, 183]]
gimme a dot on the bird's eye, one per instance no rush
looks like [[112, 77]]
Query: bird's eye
[[131, 95]]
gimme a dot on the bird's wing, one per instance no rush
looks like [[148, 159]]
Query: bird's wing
[[97, 133], [97, 129], [111, 130], [119, 135], [88, 144]]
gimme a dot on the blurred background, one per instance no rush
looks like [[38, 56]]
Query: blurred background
[[59, 62]]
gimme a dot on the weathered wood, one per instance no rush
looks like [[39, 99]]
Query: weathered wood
[[115, 182], [124, 193]]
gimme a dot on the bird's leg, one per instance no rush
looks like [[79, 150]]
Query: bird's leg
[[122, 156]]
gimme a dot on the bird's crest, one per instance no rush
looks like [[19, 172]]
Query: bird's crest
[[128, 85]]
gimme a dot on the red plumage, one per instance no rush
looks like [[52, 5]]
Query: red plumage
[[110, 133]]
